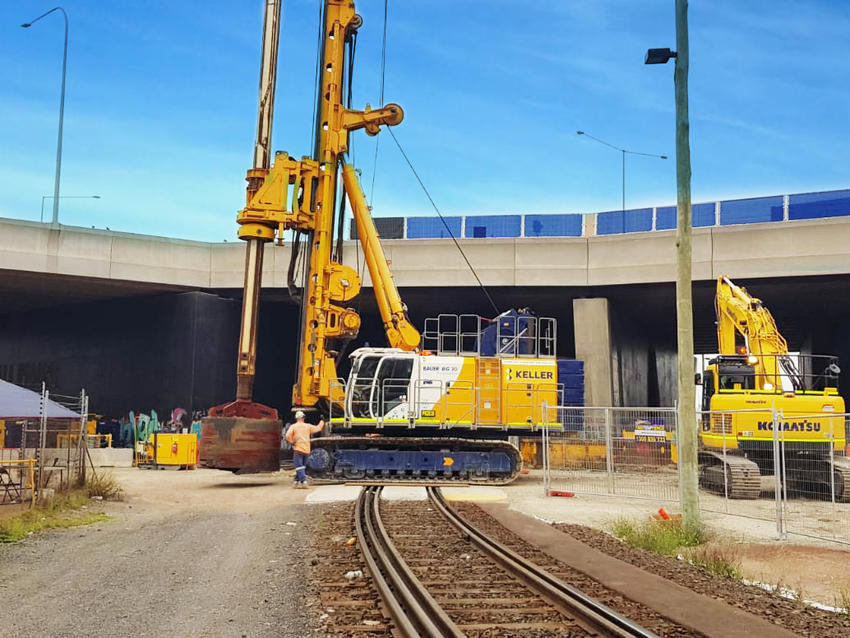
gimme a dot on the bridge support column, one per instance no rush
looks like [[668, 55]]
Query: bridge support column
[[591, 321]]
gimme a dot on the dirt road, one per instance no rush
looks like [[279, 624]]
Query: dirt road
[[200, 553]]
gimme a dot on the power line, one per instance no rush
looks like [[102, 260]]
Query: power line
[[440, 215], [380, 102]]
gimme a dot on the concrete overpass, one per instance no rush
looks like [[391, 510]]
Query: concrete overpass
[[121, 264], [145, 321]]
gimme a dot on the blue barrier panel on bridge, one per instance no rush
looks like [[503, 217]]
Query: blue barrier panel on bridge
[[751, 211], [493, 226], [701, 215], [631, 221], [432, 227], [387, 227], [552, 225], [814, 205]]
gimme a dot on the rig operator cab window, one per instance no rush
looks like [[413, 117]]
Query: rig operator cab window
[[378, 384]]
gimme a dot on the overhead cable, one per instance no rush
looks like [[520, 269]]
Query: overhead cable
[[448, 230]]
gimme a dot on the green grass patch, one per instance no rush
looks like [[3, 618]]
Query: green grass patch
[[671, 538], [659, 536], [720, 560], [54, 513], [842, 601], [104, 485]]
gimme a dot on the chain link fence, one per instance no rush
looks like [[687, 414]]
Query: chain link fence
[[47, 453], [793, 471]]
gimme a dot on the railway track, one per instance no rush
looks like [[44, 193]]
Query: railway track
[[420, 592]]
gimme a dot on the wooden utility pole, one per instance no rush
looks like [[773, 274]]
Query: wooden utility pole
[[688, 470]]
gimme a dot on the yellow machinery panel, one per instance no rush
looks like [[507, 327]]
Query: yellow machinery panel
[[526, 385], [173, 449]]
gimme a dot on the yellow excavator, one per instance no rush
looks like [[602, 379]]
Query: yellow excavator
[[438, 405], [754, 377]]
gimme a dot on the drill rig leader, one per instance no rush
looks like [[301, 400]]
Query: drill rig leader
[[495, 386]]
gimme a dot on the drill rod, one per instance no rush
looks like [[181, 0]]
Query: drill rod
[[262, 160]]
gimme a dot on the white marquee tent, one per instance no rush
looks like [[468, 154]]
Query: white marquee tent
[[19, 403]]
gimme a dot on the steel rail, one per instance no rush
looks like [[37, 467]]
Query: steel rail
[[594, 614], [414, 611]]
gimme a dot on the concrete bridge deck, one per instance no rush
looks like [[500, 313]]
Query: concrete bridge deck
[[128, 263]]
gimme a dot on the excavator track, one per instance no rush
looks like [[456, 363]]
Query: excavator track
[[841, 467], [382, 460], [742, 476], [818, 474]]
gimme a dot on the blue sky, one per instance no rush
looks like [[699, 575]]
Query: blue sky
[[161, 105]]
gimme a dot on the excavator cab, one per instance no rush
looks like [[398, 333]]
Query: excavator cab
[[726, 373]]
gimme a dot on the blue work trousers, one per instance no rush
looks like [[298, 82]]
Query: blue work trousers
[[300, 461]]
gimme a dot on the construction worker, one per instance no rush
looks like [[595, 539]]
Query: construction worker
[[298, 435]]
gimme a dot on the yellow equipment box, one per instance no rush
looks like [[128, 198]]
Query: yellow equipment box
[[172, 449]]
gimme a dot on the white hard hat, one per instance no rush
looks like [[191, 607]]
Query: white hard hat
[[299, 414]]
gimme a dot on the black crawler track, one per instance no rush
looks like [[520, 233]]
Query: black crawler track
[[445, 445]]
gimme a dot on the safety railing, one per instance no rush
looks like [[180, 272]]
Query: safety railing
[[509, 335], [71, 439], [770, 373], [442, 404]]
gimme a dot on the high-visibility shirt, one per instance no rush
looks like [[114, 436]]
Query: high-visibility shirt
[[298, 435]]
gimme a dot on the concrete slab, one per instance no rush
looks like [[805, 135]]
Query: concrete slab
[[332, 494], [475, 494], [709, 617]]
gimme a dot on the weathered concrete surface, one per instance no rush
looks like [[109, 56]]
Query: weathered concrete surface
[[795, 248], [593, 346]]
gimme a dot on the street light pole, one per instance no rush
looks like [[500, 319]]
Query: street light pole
[[41, 219], [623, 154], [688, 457], [26, 25]]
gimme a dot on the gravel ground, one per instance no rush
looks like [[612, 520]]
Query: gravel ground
[[648, 618], [202, 553], [342, 607], [795, 616]]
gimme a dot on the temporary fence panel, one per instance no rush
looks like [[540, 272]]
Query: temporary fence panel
[[723, 454], [816, 477], [612, 451]]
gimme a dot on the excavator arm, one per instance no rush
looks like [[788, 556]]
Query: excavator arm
[[738, 313]]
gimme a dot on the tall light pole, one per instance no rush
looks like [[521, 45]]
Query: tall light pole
[[61, 111], [41, 219], [689, 472], [623, 152]]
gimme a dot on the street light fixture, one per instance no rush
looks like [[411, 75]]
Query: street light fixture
[[623, 152], [41, 219], [26, 25], [659, 56]]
